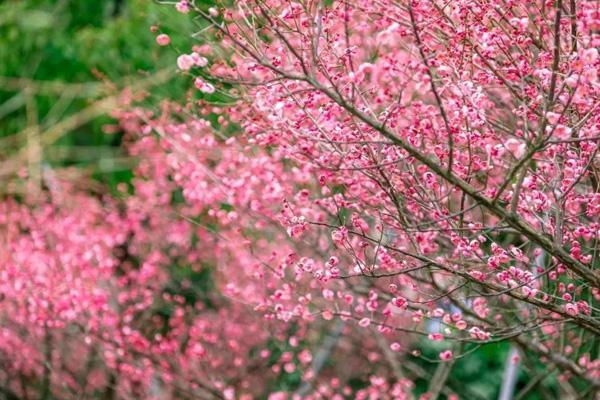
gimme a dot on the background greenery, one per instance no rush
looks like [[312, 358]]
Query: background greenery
[[60, 59]]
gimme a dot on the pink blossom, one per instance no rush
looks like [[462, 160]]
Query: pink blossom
[[446, 355], [436, 337], [590, 55], [203, 86], [163, 39], [461, 325], [185, 62], [515, 147], [183, 6], [364, 322], [395, 346], [571, 309], [199, 61]]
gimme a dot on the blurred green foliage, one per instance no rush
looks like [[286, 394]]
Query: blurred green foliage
[[49, 46]]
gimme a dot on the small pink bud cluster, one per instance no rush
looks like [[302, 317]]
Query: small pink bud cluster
[[185, 62]]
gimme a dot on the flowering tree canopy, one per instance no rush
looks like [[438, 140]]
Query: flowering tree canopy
[[360, 181]]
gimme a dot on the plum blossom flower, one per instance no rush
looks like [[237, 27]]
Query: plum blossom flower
[[365, 322], [446, 355], [461, 325], [185, 62], [590, 55], [163, 39], [562, 132], [400, 302], [183, 6], [203, 86], [436, 337], [552, 117], [199, 61], [339, 235], [516, 147], [571, 309]]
